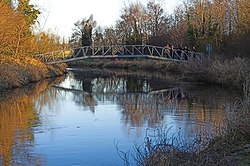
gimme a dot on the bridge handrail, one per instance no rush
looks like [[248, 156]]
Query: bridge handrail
[[53, 55], [120, 51]]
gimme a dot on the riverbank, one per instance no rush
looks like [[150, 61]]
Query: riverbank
[[16, 72], [231, 147], [233, 72], [230, 72], [131, 64]]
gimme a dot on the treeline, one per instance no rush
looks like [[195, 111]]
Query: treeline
[[17, 31], [225, 24]]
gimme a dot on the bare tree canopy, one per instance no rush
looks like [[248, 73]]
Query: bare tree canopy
[[225, 24]]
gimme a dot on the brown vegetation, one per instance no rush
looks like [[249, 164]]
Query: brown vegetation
[[18, 72], [18, 43], [16, 32], [233, 72], [229, 149], [131, 64], [222, 23]]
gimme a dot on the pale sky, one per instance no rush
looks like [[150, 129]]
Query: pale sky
[[59, 16]]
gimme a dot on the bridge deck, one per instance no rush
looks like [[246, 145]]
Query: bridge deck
[[125, 51]]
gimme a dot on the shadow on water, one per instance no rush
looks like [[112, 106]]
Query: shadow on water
[[18, 118]]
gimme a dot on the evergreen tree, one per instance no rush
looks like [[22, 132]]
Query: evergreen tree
[[82, 33]]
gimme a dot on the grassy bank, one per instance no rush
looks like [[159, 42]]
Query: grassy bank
[[131, 64], [16, 72]]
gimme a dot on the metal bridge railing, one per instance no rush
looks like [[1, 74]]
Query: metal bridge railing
[[120, 51], [54, 56]]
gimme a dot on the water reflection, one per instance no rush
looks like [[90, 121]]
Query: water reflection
[[18, 118], [151, 102], [75, 121]]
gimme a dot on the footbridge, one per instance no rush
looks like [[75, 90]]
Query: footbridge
[[119, 51]]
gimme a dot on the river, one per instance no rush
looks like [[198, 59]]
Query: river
[[86, 116]]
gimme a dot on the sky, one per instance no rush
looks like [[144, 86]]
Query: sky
[[59, 16]]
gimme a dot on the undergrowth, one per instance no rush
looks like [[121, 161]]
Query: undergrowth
[[16, 72]]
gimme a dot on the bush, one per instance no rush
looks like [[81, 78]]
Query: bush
[[229, 72]]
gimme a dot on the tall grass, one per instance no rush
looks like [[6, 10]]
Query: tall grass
[[230, 72]]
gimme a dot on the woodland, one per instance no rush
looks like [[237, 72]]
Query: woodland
[[224, 24]]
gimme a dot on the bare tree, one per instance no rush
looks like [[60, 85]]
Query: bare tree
[[131, 23]]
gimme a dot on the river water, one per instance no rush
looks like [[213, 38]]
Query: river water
[[83, 118]]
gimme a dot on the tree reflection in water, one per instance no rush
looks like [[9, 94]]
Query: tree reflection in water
[[147, 102], [18, 119], [143, 101]]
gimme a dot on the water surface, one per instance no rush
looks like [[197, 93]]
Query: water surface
[[82, 118]]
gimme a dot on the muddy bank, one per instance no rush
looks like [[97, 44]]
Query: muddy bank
[[18, 72]]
